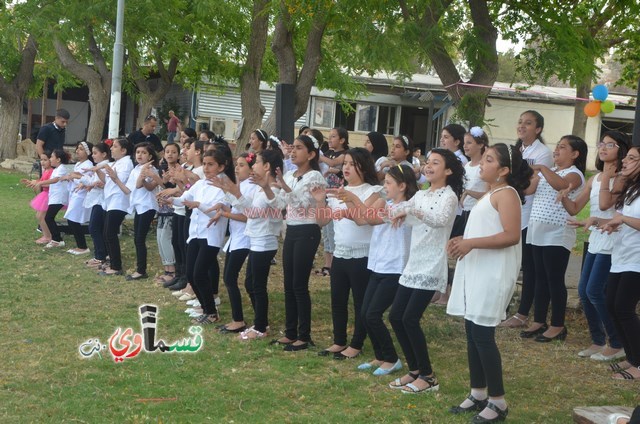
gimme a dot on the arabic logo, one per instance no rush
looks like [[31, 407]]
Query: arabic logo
[[126, 345]]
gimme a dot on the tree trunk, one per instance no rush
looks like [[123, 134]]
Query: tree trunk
[[145, 104], [252, 108], [99, 102], [579, 118], [10, 110]]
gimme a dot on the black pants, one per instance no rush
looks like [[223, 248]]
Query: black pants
[[407, 310], [528, 277], [233, 262], [96, 230], [141, 224], [256, 285], [299, 249], [178, 241], [550, 264], [348, 275], [485, 363], [379, 296], [623, 294], [50, 220], [78, 234], [201, 258], [112, 222]]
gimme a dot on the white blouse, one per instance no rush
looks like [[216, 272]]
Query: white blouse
[[389, 249], [95, 196], [299, 200], [473, 183], [59, 192], [535, 154], [431, 214], [548, 221], [114, 197], [76, 211], [599, 242], [141, 200], [352, 240], [208, 196], [263, 221], [237, 238], [626, 246]]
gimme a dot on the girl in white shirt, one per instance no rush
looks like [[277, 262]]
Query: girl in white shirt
[[262, 228], [601, 190], [431, 213], [623, 287], [550, 236], [94, 201], [349, 271], [58, 195], [142, 189], [116, 200], [77, 214], [452, 139], [387, 259], [205, 239], [535, 152], [238, 244], [301, 240], [475, 144]]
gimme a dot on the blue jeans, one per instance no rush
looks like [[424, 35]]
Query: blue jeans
[[592, 287]]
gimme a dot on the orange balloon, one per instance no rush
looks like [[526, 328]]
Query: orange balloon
[[592, 109]]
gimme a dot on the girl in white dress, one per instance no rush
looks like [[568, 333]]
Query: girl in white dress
[[431, 213], [77, 214], [489, 256], [58, 195]]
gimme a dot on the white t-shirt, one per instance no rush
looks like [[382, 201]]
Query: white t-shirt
[[626, 248], [237, 238], [535, 154], [59, 192], [114, 197], [263, 222], [141, 200], [548, 221], [389, 248], [473, 183]]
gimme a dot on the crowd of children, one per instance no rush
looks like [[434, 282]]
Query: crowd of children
[[387, 243]]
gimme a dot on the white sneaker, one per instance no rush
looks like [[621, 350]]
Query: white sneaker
[[79, 252], [177, 293], [53, 244], [193, 302], [187, 296], [217, 300], [588, 352]]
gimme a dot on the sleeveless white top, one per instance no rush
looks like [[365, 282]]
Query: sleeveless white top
[[485, 279], [599, 242]]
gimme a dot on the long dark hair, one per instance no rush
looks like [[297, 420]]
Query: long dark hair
[[125, 144], [343, 134], [379, 143], [539, 124], [273, 158], [457, 178], [631, 189], [457, 132], [623, 142], [223, 159], [364, 164], [263, 137], [405, 174], [408, 146], [151, 150], [60, 154], [104, 148], [308, 143], [520, 173], [577, 144]]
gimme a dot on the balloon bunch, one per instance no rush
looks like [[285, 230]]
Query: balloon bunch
[[599, 103]]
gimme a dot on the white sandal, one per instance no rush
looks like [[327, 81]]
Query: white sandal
[[522, 323], [251, 333]]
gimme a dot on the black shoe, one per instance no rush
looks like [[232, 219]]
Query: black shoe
[[132, 277], [325, 352], [531, 334], [478, 405], [295, 348], [340, 356], [502, 415], [224, 330], [172, 281], [179, 285], [560, 336]]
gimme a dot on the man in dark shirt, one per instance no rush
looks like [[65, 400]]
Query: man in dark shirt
[[147, 133], [51, 136]]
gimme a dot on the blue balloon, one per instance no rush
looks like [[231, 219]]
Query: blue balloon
[[600, 92]]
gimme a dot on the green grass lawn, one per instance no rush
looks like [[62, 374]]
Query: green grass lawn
[[51, 303]]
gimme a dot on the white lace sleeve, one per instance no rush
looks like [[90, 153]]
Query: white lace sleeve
[[300, 195], [435, 209]]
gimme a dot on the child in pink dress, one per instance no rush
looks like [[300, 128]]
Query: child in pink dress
[[40, 202]]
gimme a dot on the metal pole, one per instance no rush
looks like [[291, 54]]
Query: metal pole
[[636, 122], [116, 79]]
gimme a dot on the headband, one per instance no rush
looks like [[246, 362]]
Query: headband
[[400, 168], [275, 140], [476, 131], [405, 139], [85, 147], [262, 134], [510, 156], [315, 142]]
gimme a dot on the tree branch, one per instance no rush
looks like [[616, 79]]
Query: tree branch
[[84, 72], [98, 57]]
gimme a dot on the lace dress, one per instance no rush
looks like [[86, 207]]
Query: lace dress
[[431, 215], [485, 279]]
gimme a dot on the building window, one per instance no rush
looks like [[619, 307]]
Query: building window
[[387, 120], [323, 113], [366, 117]]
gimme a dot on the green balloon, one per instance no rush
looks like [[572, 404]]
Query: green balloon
[[607, 106]]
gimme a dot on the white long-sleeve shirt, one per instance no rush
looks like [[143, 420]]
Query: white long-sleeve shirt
[[114, 197]]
